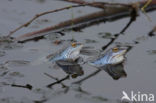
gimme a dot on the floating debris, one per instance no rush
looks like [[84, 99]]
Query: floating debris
[[57, 42], [3, 70], [105, 35], [16, 63], [2, 53], [16, 74], [90, 41], [142, 38], [8, 43], [152, 52], [39, 22]]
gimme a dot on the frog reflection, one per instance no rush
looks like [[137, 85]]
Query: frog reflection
[[116, 71], [71, 67]]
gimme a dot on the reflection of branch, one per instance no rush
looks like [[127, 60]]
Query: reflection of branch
[[58, 81], [87, 77]]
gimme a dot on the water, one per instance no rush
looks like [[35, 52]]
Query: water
[[17, 59]]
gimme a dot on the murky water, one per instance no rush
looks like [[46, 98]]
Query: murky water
[[22, 64]]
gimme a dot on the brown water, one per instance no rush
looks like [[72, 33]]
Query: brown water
[[22, 63]]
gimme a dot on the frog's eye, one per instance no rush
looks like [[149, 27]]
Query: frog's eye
[[115, 49], [73, 44]]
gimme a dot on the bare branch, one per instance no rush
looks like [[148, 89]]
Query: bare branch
[[41, 14]]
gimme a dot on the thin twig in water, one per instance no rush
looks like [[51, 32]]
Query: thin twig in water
[[27, 86], [55, 79], [59, 81], [132, 19], [87, 77]]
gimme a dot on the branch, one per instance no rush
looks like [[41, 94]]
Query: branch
[[109, 14], [41, 14]]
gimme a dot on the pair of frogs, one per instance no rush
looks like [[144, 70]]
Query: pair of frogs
[[68, 59]]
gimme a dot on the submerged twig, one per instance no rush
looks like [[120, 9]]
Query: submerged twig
[[132, 19], [59, 81], [55, 79], [27, 86], [87, 77]]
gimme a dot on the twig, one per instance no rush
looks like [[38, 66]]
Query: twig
[[55, 79], [132, 19], [87, 77], [59, 81], [28, 86], [80, 22]]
